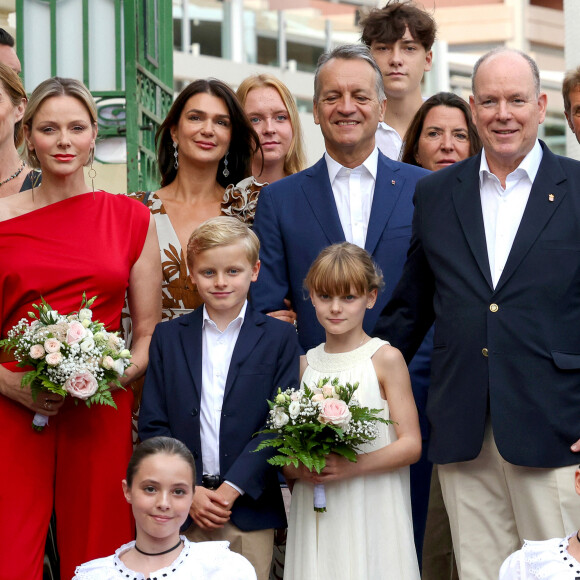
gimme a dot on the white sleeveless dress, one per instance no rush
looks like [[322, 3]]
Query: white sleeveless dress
[[367, 531]]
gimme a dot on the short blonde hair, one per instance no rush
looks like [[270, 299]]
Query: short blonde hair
[[56, 87], [295, 160], [340, 268], [222, 231]]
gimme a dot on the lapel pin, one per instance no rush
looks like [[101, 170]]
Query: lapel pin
[[551, 197], [393, 182]]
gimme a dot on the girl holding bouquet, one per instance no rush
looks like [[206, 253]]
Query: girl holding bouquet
[[57, 241], [367, 530]]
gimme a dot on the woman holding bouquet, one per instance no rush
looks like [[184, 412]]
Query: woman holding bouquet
[[367, 531], [57, 241]]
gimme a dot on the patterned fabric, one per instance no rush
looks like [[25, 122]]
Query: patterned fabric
[[241, 200]]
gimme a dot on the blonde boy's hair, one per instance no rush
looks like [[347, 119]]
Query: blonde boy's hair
[[340, 268], [222, 231]]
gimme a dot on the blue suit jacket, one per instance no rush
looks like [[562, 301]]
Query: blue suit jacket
[[512, 351], [265, 357], [297, 217]]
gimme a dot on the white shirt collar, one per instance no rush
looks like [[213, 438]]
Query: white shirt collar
[[239, 319], [530, 163], [370, 164]]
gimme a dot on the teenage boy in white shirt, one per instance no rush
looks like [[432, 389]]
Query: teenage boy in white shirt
[[400, 36]]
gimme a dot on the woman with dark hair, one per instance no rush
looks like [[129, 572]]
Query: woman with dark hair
[[441, 133], [205, 143]]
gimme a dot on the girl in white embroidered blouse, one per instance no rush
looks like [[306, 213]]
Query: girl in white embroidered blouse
[[555, 559], [160, 484]]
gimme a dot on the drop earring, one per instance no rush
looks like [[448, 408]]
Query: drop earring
[[176, 155], [92, 173], [226, 171]]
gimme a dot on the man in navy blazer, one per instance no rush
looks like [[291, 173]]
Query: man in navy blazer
[[299, 216], [495, 262]]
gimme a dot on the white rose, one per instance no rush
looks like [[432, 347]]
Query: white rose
[[52, 345], [85, 314], [53, 358], [36, 351], [86, 322], [119, 367], [280, 418], [294, 409], [125, 353], [295, 396], [87, 344]]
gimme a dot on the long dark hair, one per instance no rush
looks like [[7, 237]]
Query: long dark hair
[[244, 142], [416, 127]]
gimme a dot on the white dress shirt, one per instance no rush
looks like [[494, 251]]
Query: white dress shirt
[[503, 208], [389, 142], [353, 191], [217, 350]]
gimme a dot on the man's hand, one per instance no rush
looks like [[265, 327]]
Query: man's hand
[[576, 447], [209, 509]]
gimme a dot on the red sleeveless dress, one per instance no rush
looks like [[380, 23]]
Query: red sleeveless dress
[[87, 243]]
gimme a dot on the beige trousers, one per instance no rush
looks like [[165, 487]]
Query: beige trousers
[[256, 546], [494, 505]]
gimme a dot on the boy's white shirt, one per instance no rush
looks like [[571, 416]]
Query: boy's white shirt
[[217, 350], [389, 142]]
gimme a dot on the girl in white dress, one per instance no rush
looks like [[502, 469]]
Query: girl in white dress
[[367, 531], [159, 487]]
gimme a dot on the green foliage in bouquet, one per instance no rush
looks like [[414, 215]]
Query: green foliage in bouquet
[[311, 423]]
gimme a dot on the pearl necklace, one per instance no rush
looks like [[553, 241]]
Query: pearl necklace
[[14, 175]]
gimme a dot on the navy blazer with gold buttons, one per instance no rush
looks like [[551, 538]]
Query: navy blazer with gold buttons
[[511, 353], [265, 357]]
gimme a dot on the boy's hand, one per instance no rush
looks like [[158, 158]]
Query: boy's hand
[[228, 494], [209, 509]]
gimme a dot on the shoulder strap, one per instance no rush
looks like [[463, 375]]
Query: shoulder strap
[[146, 197]]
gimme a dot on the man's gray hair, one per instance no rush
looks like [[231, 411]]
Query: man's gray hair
[[502, 50], [350, 52]]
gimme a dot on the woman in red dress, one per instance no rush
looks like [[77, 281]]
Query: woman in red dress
[[57, 241]]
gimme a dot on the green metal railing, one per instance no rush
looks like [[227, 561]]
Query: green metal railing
[[143, 81]]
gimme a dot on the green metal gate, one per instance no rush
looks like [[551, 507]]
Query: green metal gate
[[122, 50]]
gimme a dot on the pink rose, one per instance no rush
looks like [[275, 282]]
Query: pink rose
[[76, 332], [53, 358], [334, 412], [327, 391], [107, 362], [52, 345], [36, 351], [81, 385], [318, 397]]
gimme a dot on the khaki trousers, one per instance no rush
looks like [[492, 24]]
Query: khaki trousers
[[494, 505], [256, 546]]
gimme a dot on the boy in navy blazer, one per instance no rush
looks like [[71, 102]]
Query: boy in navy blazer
[[209, 376]]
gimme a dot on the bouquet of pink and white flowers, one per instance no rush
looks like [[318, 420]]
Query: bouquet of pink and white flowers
[[311, 423], [69, 354]]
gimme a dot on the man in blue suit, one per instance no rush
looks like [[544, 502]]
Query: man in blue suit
[[495, 262], [353, 193]]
